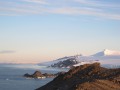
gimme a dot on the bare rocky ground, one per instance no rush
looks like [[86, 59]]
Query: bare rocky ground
[[86, 77]]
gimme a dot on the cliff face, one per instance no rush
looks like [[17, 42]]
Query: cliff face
[[86, 77]]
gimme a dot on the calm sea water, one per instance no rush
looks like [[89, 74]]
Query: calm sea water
[[11, 76]]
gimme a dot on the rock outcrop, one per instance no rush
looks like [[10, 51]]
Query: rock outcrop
[[86, 77], [66, 63], [38, 74]]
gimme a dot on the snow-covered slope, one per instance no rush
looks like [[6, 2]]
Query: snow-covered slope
[[107, 52], [106, 58], [62, 62]]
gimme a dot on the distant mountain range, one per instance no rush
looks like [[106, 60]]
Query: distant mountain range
[[107, 58]]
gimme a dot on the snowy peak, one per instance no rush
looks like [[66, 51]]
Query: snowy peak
[[111, 52], [107, 52]]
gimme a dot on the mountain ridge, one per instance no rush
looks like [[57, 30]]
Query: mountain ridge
[[104, 57]]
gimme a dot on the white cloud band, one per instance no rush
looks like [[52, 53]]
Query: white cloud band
[[72, 7]]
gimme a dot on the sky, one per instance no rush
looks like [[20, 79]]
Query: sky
[[33, 31]]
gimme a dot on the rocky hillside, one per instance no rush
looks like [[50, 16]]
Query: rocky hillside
[[86, 77]]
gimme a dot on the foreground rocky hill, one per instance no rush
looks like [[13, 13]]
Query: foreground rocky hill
[[86, 77]]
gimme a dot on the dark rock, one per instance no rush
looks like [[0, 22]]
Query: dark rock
[[27, 75], [66, 63], [38, 74]]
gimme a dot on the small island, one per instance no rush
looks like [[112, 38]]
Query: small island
[[39, 75]]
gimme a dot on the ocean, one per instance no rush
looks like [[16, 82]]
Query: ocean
[[11, 76]]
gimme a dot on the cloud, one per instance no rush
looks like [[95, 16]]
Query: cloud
[[85, 11], [36, 1], [97, 3], [93, 8], [17, 9], [7, 51]]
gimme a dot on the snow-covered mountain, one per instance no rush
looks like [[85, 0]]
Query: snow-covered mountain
[[106, 58], [107, 52]]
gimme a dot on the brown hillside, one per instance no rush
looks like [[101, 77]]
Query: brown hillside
[[86, 77]]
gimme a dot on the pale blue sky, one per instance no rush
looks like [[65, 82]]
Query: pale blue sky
[[41, 30]]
